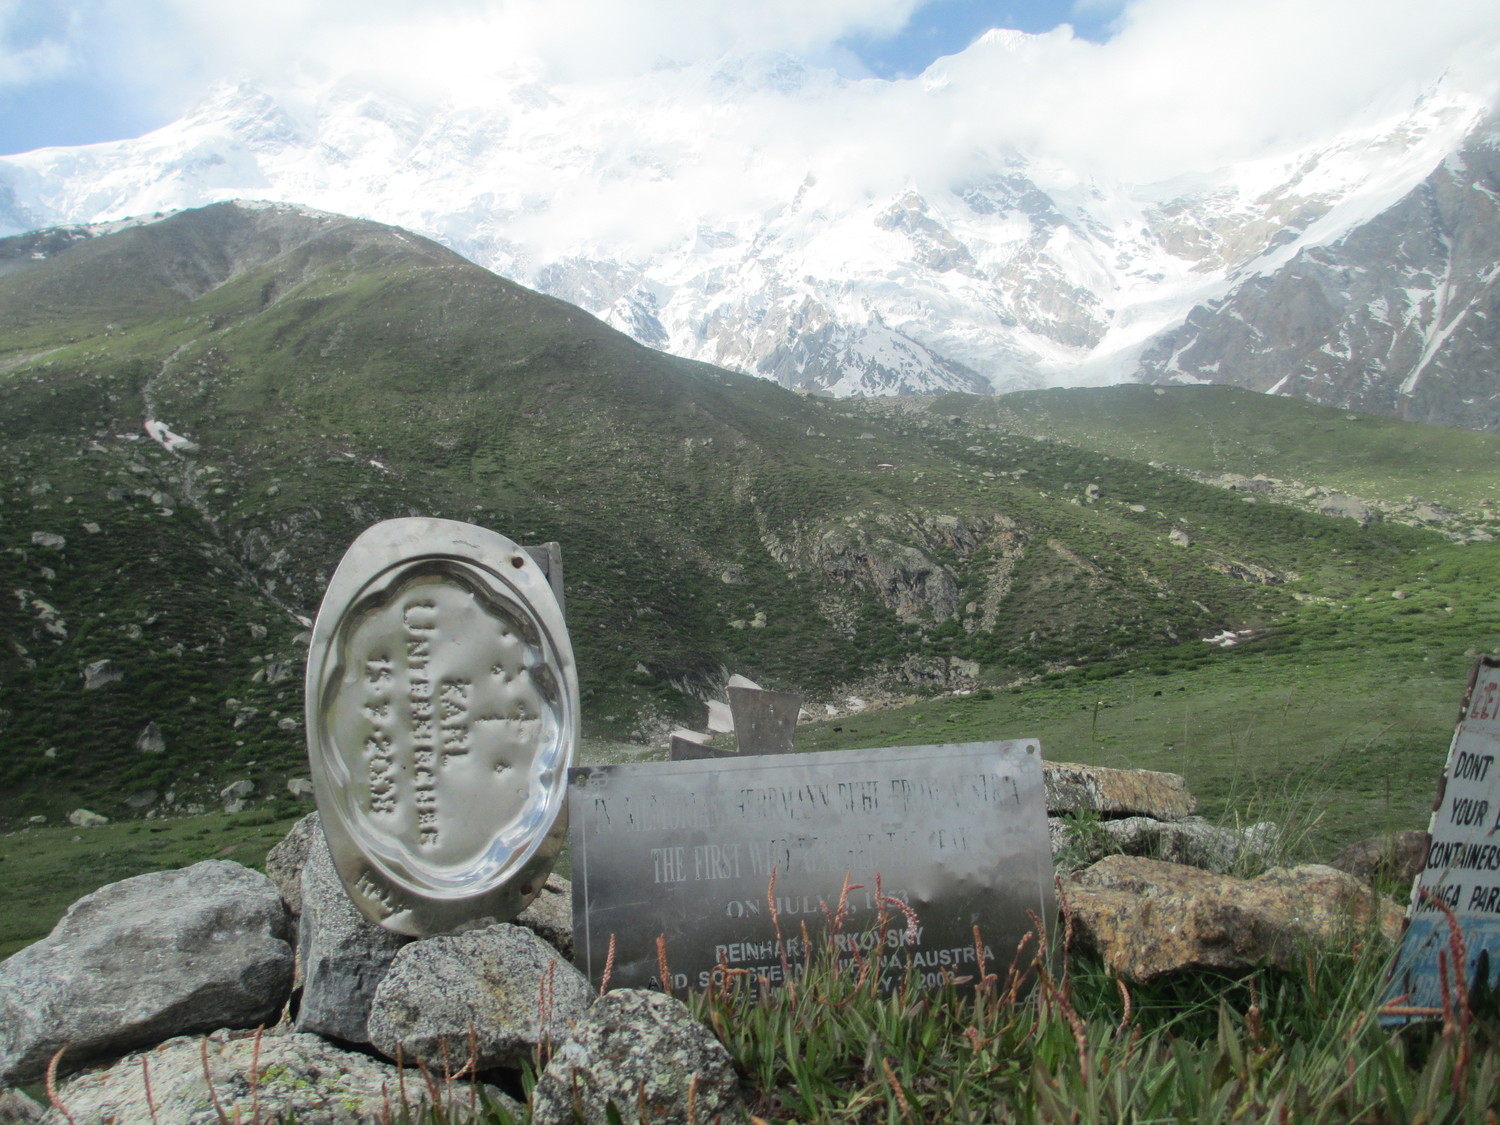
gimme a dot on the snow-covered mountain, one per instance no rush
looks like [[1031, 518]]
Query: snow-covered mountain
[[785, 221]]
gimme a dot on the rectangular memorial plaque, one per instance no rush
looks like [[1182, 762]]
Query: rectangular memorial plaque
[[1462, 872], [687, 850], [765, 722]]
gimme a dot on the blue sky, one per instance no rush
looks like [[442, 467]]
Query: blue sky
[[79, 71], [944, 27]]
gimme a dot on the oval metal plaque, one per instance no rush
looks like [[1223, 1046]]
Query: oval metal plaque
[[442, 718]]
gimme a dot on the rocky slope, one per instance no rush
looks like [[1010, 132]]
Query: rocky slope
[[1397, 316]]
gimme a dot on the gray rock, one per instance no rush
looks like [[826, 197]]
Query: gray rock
[[285, 861], [17, 1109], [1348, 507], [241, 788], [83, 818], [100, 673], [144, 959], [644, 1052], [1179, 538], [343, 954], [300, 787], [48, 539], [491, 982], [282, 1075], [150, 740], [1193, 841], [550, 915]]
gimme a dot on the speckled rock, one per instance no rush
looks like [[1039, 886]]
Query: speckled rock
[[1073, 788], [285, 861], [637, 1048], [549, 915], [495, 981], [342, 955], [283, 1074], [144, 959], [1146, 917]]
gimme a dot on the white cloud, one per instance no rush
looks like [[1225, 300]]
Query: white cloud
[[34, 45], [1183, 84]]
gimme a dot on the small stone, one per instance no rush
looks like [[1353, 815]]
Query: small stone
[[237, 789], [550, 915], [83, 818], [100, 673], [17, 1109], [300, 787], [48, 540], [1395, 858], [150, 740]]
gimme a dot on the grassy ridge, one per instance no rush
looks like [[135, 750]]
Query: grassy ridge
[[1221, 429]]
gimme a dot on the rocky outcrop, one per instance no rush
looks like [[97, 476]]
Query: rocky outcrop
[[1145, 918], [644, 1053], [1394, 318], [900, 559], [139, 960]]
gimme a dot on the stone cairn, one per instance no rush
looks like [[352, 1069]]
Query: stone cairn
[[215, 993]]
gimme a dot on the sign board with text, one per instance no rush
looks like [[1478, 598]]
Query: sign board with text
[[1461, 878], [954, 837]]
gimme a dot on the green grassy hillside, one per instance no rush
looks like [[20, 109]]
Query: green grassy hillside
[[1221, 429], [332, 373]]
